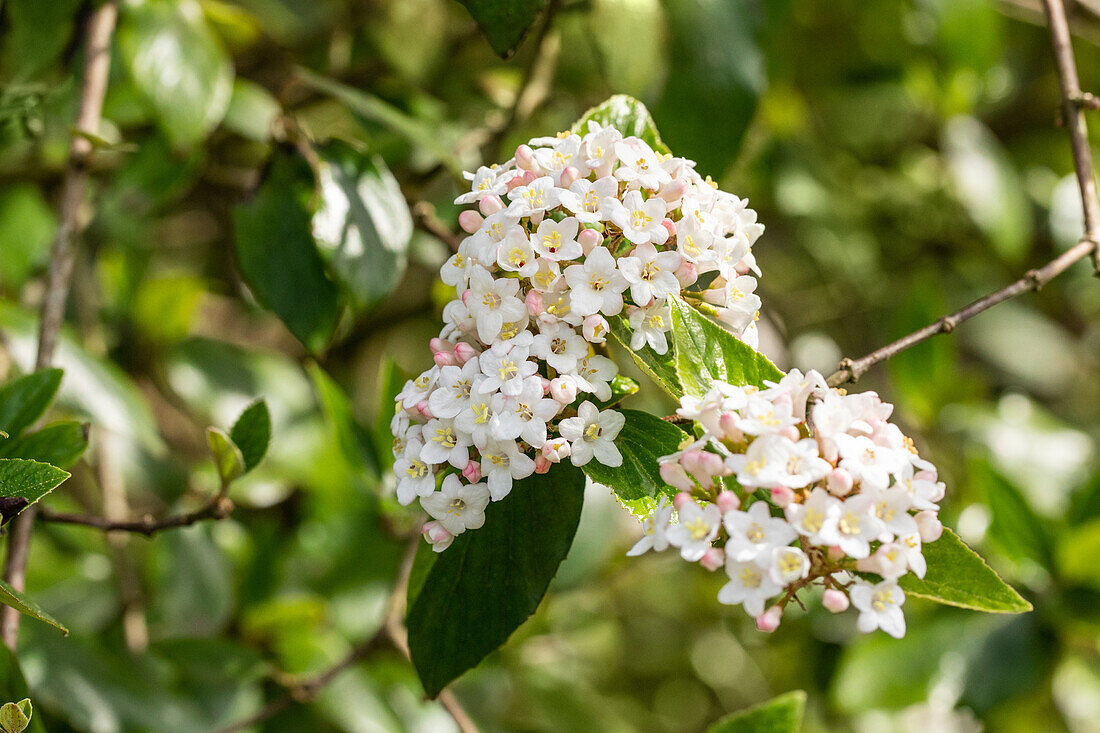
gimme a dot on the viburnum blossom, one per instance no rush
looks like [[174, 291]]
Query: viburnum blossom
[[574, 237], [842, 501]]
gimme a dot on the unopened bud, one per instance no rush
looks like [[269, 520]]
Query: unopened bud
[[542, 463], [595, 329], [839, 482], [529, 177], [782, 496], [464, 352], [713, 559], [444, 358], [589, 239], [470, 221], [790, 432], [437, 534], [727, 501], [673, 191], [835, 554], [674, 475], [568, 175], [514, 182], [466, 296], [422, 408], [534, 302], [769, 620], [669, 226], [472, 472], [929, 526], [563, 389], [556, 450], [437, 344], [727, 423], [835, 600], [680, 499], [525, 158], [687, 273], [490, 205]]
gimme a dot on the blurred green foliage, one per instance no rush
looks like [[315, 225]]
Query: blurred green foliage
[[904, 157]]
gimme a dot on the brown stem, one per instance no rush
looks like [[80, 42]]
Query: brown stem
[[424, 216], [218, 507], [97, 62], [852, 369], [1074, 105]]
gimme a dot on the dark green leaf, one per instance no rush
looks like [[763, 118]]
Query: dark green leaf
[[274, 239], [354, 441], [362, 227], [1015, 527], [958, 576], [24, 400], [60, 444], [661, 368], [716, 76], [628, 116], [782, 714], [705, 352], [1085, 502], [504, 22], [11, 597], [28, 480], [637, 483], [252, 433], [390, 381], [36, 36], [227, 456], [481, 588], [178, 65]]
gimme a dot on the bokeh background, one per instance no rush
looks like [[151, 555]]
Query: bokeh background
[[905, 158]]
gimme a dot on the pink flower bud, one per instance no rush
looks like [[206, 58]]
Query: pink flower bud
[[835, 600], [464, 352], [545, 385], [556, 450], [835, 553], [525, 158], [569, 175], [769, 620], [713, 559], [782, 496], [929, 526], [437, 534], [437, 344], [727, 423], [563, 389], [926, 476], [466, 296], [529, 177], [490, 205], [673, 191], [790, 432], [470, 221], [669, 226], [542, 463], [595, 329], [681, 498], [422, 408], [589, 239], [687, 273], [472, 472], [828, 449], [534, 302], [514, 182], [675, 476], [839, 482], [727, 501], [444, 358]]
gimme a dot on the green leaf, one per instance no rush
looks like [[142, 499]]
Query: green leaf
[[504, 22], [628, 116], [30, 480], [178, 65], [622, 387], [11, 597], [1014, 526], [363, 226], [27, 226], [13, 686], [481, 588], [637, 483], [274, 239], [252, 111], [60, 444], [252, 433], [390, 381], [227, 456], [1078, 548], [24, 400], [37, 35], [781, 714], [661, 368], [15, 717], [714, 46], [706, 352], [350, 436], [958, 576]]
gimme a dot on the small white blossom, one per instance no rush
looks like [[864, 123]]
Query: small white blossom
[[696, 530], [640, 220], [655, 528], [457, 506], [750, 585], [597, 285], [592, 435], [501, 462], [556, 240], [443, 443], [879, 607], [650, 274], [755, 533]]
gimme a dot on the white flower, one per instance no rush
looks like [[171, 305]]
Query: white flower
[[855, 527], [925, 491], [834, 414], [651, 274], [693, 240], [486, 182], [559, 346], [597, 285], [764, 463], [869, 463], [524, 415], [599, 145], [483, 244], [708, 409], [640, 220], [755, 533], [639, 164], [492, 303], [505, 367], [535, 198], [750, 585], [761, 416], [910, 545], [788, 565], [799, 387], [649, 326], [417, 390], [457, 506], [414, 476], [502, 461], [456, 384], [561, 154], [516, 254], [456, 270], [696, 530], [557, 240], [879, 607], [803, 465], [594, 374], [585, 198], [655, 527], [444, 444], [476, 418], [547, 276], [891, 507], [815, 518], [592, 434]]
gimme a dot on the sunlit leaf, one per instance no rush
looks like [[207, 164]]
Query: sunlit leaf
[[661, 368], [23, 400], [28, 480], [60, 444], [11, 597], [252, 433], [227, 456], [782, 714], [628, 116]]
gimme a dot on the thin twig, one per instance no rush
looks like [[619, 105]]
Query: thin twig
[[218, 507], [97, 62], [1074, 104], [852, 369], [391, 633], [424, 217]]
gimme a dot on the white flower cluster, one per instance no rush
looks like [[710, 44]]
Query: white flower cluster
[[828, 489], [570, 232]]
